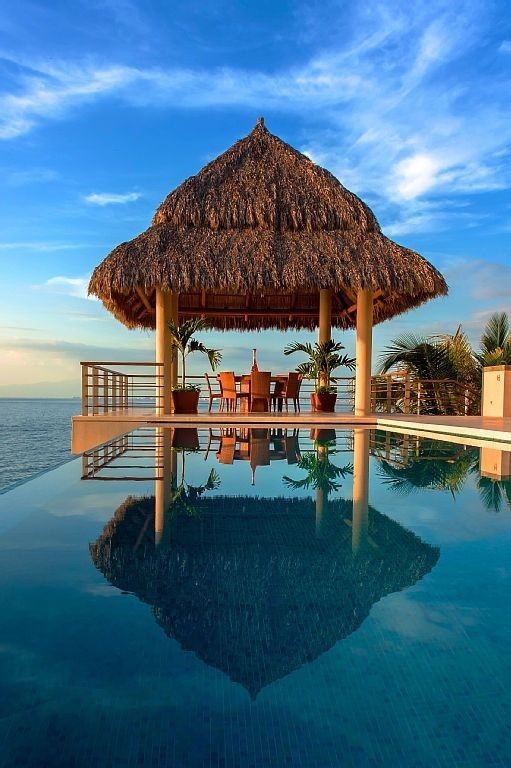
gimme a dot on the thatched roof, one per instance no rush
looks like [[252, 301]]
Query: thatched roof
[[247, 585], [250, 239]]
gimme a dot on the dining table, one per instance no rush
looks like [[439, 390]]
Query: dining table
[[243, 379]]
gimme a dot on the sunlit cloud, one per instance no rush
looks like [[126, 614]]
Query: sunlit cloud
[[110, 198], [68, 286], [28, 176], [43, 247], [395, 121]]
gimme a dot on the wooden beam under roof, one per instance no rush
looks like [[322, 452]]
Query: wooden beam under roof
[[240, 312], [145, 301]]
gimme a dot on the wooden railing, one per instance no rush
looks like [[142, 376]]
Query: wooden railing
[[127, 386], [399, 392], [115, 387], [109, 387]]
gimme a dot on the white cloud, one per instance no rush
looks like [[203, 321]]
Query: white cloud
[[68, 286], [402, 94], [111, 198], [30, 176], [415, 175], [43, 247]]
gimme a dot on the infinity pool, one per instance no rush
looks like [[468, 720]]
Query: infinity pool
[[258, 598]]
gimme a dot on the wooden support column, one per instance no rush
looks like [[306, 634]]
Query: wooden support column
[[364, 344], [164, 307], [360, 521], [174, 316], [325, 315]]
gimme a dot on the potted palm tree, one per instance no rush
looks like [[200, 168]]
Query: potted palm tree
[[186, 396], [324, 358]]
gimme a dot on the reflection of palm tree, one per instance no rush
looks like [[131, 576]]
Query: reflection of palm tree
[[494, 493], [444, 473], [185, 496], [322, 474], [444, 467]]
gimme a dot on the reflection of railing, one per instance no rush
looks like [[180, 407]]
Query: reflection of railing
[[138, 454], [398, 392]]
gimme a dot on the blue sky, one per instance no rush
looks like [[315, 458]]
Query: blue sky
[[107, 105]]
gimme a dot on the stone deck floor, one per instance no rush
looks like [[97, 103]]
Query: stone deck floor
[[475, 430]]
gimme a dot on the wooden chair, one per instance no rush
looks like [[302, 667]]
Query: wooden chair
[[290, 391], [230, 395], [277, 394], [228, 387], [212, 394], [260, 390]]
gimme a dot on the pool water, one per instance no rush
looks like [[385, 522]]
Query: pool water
[[258, 598]]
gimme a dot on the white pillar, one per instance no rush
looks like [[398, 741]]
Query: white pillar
[[496, 397], [325, 315], [364, 344], [166, 309]]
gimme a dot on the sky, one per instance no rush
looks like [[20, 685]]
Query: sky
[[107, 105]]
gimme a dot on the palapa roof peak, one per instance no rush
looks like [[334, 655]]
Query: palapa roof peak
[[262, 182], [250, 239]]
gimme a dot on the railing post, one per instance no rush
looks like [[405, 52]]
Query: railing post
[[407, 394], [85, 390], [94, 390], [105, 391], [389, 393], [125, 392]]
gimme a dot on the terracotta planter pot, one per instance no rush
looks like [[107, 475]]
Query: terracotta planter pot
[[323, 401], [185, 401], [323, 435], [186, 438]]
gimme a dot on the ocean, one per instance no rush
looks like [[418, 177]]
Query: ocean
[[35, 434]]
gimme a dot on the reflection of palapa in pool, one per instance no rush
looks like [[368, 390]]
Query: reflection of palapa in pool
[[248, 586]]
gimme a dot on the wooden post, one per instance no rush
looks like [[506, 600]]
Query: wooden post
[[364, 352], [105, 391], [85, 390], [95, 389], [407, 394], [125, 392], [389, 393], [325, 315], [114, 392], [175, 319], [164, 307]]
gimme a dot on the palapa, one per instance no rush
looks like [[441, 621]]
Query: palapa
[[249, 241]]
